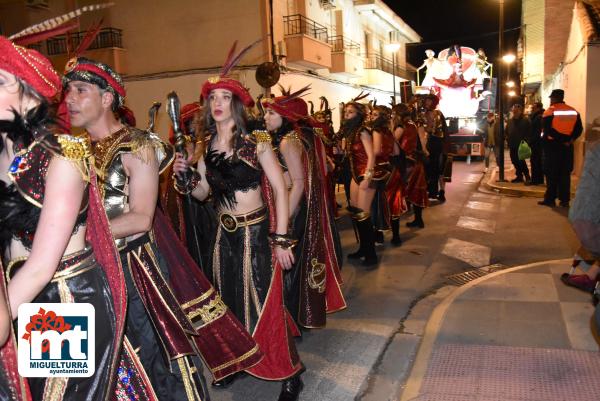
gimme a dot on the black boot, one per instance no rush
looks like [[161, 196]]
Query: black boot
[[226, 381], [379, 237], [367, 242], [358, 253], [441, 196], [396, 232], [291, 388], [418, 221]]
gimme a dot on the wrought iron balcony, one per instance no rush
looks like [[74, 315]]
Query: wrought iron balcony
[[378, 62], [341, 43], [107, 38], [298, 24]]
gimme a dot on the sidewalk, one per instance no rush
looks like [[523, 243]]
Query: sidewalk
[[516, 334], [490, 181]]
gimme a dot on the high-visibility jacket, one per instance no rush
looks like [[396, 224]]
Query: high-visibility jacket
[[564, 118]]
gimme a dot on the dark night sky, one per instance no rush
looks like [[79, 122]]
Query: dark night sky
[[472, 23]]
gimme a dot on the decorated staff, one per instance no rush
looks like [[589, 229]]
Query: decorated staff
[[174, 111]]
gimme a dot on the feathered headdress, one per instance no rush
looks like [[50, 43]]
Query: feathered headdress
[[222, 81], [53, 26], [290, 104], [360, 107]]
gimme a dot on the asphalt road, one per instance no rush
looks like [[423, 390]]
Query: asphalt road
[[366, 351]]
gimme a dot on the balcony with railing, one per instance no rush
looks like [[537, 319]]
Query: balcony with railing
[[306, 42], [379, 72], [345, 56], [378, 62], [341, 43], [106, 47]]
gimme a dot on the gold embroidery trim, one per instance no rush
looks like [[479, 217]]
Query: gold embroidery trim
[[187, 380], [210, 312], [199, 299], [237, 360], [54, 389], [317, 277]]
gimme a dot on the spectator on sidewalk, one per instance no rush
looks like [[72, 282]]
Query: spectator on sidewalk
[[562, 126], [518, 129], [535, 143], [492, 137]]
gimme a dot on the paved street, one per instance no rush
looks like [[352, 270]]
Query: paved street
[[366, 352]]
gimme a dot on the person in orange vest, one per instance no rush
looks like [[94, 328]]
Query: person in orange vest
[[561, 127]]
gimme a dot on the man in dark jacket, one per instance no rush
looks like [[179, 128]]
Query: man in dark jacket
[[535, 143], [518, 129], [562, 126]]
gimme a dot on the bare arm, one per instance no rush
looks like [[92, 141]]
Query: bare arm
[[398, 133], [142, 170], [62, 200], [377, 143], [272, 169], [292, 153], [4, 316], [367, 142], [202, 190], [270, 165]]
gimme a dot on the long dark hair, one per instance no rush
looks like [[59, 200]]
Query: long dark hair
[[206, 124], [23, 129]]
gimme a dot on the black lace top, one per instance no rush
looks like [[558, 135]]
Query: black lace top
[[21, 200], [238, 172]]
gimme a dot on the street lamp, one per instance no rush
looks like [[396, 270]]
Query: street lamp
[[393, 48], [512, 93], [499, 96], [510, 84], [509, 58]]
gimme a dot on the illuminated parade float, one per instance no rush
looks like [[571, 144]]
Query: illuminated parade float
[[461, 77]]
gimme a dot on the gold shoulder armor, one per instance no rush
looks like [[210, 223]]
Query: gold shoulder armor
[[263, 140], [74, 148], [292, 136], [261, 136], [318, 131]]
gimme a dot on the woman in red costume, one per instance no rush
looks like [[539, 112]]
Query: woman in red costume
[[383, 139], [312, 286], [252, 243], [396, 184], [54, 237], [410, 143], [360, 149]]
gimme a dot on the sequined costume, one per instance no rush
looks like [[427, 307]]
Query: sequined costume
[[357, 154], [312, 286], [173, 309], [245, 272], [380, 211], [415, 178], [92, 275]]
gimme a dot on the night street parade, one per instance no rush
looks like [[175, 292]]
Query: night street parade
[[299, 200]]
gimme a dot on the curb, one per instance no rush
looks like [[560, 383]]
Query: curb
[[415, 379], [493, 185]]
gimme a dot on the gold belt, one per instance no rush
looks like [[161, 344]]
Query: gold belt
[[69, 266], [231, 222]]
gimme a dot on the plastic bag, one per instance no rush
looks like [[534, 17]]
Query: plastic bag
[[524, 150]]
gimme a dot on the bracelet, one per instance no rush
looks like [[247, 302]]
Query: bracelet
[[369, 174], [185, 188], [283, 241]]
